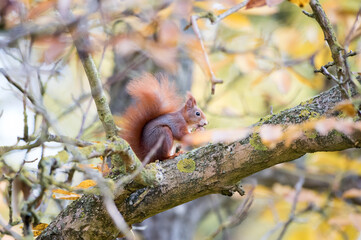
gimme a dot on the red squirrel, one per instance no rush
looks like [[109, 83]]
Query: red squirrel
[[158, 111]]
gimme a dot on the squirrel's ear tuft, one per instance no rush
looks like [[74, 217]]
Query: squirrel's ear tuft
[[191, 101]]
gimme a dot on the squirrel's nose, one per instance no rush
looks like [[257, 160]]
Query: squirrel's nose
[[205, 123]]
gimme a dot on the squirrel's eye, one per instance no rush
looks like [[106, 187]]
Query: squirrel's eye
[[198, 113]]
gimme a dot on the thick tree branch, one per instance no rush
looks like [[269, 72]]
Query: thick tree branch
[[217, 169]]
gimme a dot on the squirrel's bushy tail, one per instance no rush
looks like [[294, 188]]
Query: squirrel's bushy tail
[[152, 99]]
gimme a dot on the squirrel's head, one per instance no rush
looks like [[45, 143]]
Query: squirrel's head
[[192, 114]]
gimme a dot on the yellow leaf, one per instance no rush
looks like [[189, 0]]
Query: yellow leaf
[[236, 20], [39, 228], [259, 79], [165, 12], [300, 3], [86, 184], [61, 191], [323, 57], [308, 82]]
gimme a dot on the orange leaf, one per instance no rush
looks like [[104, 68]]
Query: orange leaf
[[346, 107], [61, 191], [103, 168], [352, 193], [86, 184], [68, 195], [40, 8], [92, 166]]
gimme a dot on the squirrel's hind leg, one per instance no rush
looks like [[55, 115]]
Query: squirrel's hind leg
[[164, 150]]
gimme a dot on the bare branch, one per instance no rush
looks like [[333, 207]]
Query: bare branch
[[298, 189], [230, 11], [330, 64], [330, 37], [239, 216], [7, 229], [352, 30], [214, 80]]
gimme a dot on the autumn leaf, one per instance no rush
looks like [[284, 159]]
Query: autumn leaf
[[347, 108], [68, 195], [215, 136], [39, 228], [64, 195], [300, 3], [40, 8], [270, 135], [352, 193], [282, 79], [92, 166], [168, 34], [260, 3], [355, 219], [86, 184], [255, 3], [194, 50], [301, 78]]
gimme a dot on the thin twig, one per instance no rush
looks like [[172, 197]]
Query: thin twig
[[15, 84], [85, 114], [352, 30], [330, 64], [41, 140], [330, 37], [325, 72], [7, 229], [311, 15], [291, 218], [238, 217], [230, 11], [214, 80]]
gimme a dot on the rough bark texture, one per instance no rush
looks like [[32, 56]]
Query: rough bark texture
[[215, 168]]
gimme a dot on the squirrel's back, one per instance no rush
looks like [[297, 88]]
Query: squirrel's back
[[153, 98]]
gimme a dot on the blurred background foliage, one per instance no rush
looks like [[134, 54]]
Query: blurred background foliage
[[266, 57]]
